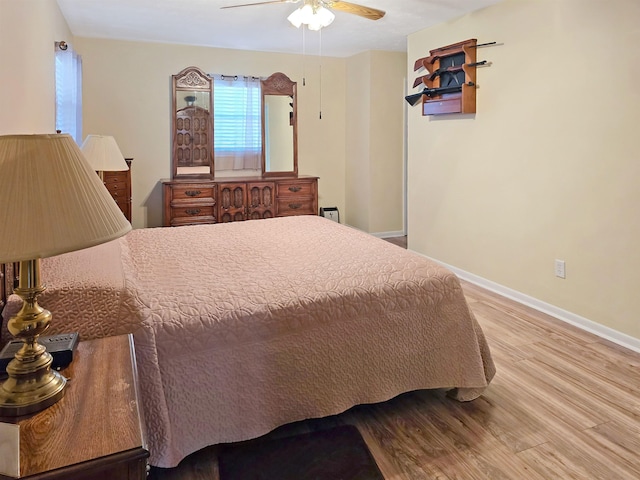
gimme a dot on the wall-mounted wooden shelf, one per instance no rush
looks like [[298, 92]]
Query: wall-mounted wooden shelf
[[450, 79]]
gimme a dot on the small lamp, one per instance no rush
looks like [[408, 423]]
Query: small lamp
[[103, 154], [51, 202]]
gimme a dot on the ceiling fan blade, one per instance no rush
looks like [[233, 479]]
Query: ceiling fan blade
[[261, 3], [366, 12]]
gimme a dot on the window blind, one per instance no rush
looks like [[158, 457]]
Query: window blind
[[237, 122], [68, 78]]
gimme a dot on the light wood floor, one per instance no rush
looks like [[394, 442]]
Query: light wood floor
[[563, 405], [400, 241]]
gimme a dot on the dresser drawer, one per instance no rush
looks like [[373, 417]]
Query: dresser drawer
[[181, 221], [444, 105], [191, 215], [116, 177], [122, 202], [118, 184], [192, 211], [188, 203], [295, 206], [116, 189], [295, 187], [191, 192]]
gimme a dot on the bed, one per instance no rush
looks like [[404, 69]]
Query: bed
[[242, 327]]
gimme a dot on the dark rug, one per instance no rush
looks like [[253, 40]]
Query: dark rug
[[336, 454]]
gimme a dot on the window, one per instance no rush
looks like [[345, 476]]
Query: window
[[69, 93], [237, 128]]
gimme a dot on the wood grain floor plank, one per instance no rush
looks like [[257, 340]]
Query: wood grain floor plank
[[530, 316], [587, 361], [621, 442], [551, 464], [618, 351], [611, 390], [498, 410], [570, 399], [515, 333], [550, 408], [408, 445], [504, 344], [482, 455], [584, 448]]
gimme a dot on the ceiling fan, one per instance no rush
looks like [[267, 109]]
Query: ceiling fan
[[347, 7]]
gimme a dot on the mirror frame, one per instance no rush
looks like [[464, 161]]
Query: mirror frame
[[280, 84], [191, 79]]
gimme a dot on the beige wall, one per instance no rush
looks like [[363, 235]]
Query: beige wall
[[28, 32], [358, 167], [548, 167], [387, 141], [127, 94], [375, 136]]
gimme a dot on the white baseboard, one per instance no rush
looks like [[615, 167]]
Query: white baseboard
[[399, 233], [607, 333]]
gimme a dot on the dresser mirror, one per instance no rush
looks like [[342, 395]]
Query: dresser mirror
[[192, 129], [279, 126]]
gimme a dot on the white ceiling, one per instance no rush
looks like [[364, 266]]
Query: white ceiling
[[259, 27]]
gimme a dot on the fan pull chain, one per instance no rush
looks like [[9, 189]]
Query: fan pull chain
[[304, 49], [320, 83]]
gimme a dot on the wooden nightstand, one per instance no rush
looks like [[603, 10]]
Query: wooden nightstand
[[96, 432]]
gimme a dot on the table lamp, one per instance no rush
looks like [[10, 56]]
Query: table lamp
[[51, 202], [103, 154]]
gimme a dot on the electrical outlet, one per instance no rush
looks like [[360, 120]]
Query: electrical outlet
[[560, 269]]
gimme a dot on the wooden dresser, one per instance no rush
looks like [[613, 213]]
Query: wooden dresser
[[3, 290], [235, 199], [96, 431], [119, 186]]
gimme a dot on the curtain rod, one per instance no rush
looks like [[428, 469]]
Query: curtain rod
[[235, 77]]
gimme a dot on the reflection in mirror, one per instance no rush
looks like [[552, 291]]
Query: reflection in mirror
[[279, 126], [192, 131], [193, 98], [237, 125], [192, 124], [278, 134]]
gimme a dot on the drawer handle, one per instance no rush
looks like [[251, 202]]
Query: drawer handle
[[192, 211], [294, 188], [294, 206], [192, 193], [114, 194]]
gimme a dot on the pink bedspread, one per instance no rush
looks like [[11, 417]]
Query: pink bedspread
[[242, 327]]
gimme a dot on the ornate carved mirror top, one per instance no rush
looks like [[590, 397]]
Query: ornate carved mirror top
[[279, 126], [192, 131]]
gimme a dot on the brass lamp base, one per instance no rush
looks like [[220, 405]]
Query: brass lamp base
[[32, 385], [29, 392]]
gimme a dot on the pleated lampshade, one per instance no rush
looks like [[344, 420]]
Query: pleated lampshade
[[103, 154], [51, 200]]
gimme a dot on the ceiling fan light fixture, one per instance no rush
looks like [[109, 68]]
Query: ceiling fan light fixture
[[323, 17], [296, 18], [314, 19]]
